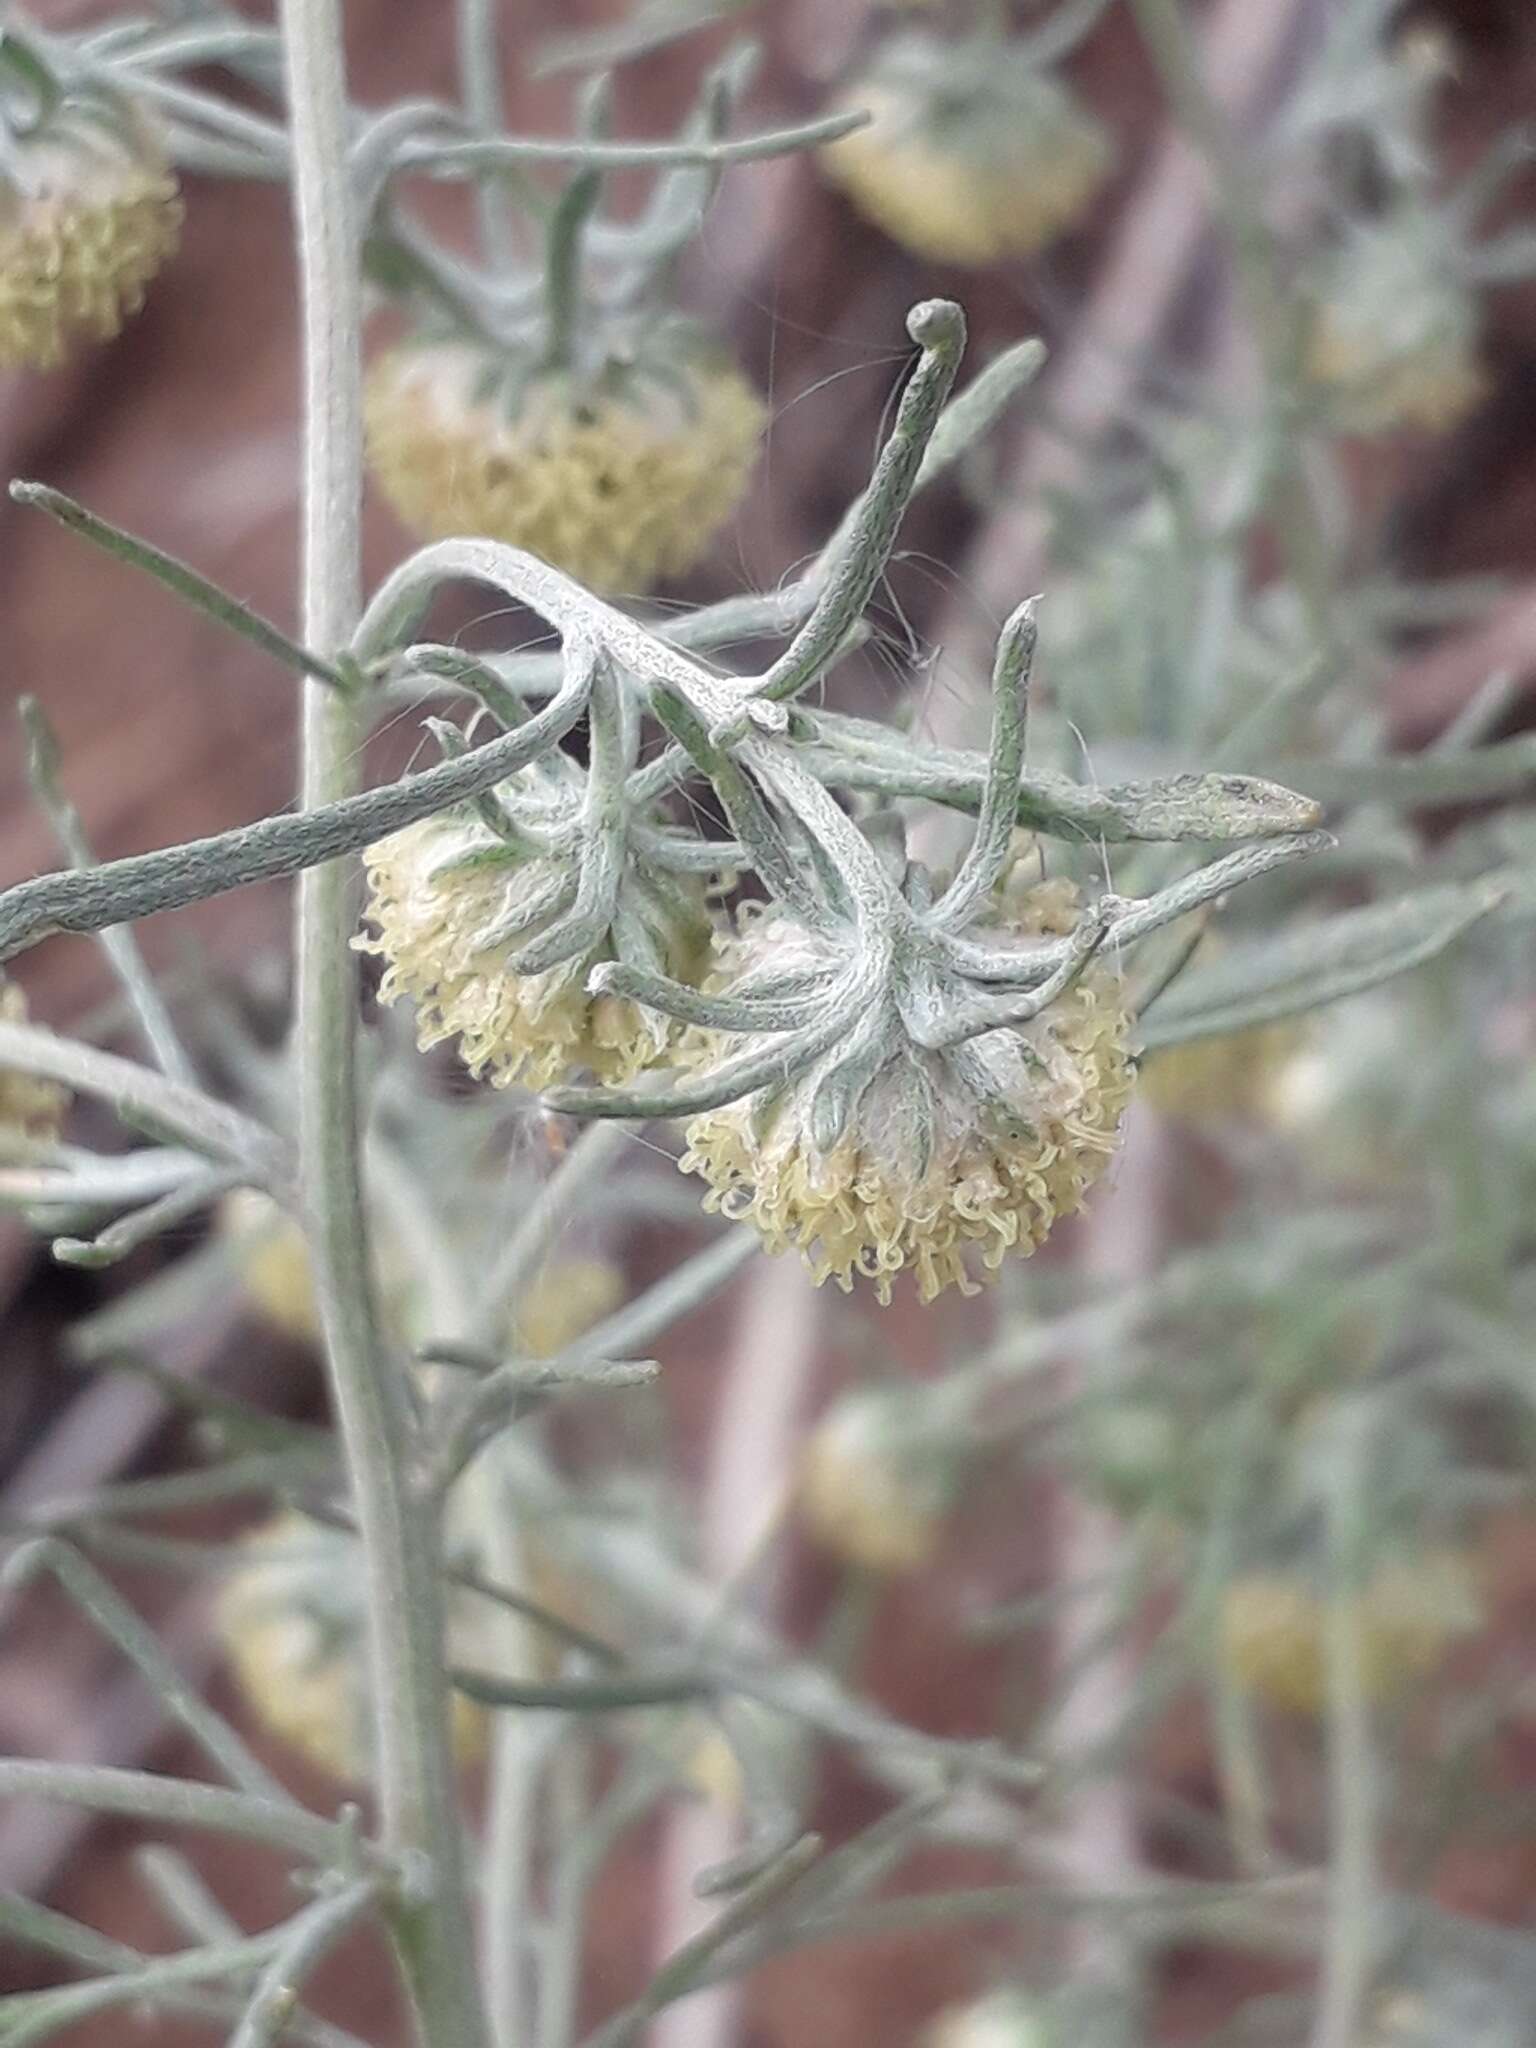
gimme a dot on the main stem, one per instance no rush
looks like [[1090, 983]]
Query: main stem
[[418, 1808]]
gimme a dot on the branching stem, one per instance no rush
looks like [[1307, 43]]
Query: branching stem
[[418, 1808]]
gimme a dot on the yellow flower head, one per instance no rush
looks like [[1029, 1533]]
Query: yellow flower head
[[1393, 339], [980, 1146], [89, 212], [293, 1626], [871, 1489], [444, 902], [32, 1111], [967, 159], [1274, 1630], [619, 481]]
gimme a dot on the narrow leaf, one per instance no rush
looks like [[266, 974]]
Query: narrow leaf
[[1318, 963], [187, 584]]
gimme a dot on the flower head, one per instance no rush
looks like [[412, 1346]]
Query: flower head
[[969, 157], [31, 1110], [1393, 339], [451, 905], [89, 212], [618, 478], [873, 1489], [932, 1150], [293, 1625]]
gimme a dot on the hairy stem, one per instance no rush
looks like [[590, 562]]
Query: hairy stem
[[418, 1812]]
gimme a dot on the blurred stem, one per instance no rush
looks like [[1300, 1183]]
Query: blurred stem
[[567, 1795], [418, 1811], [594, 1157], [562, 266], [479, 24], [1347, 1955], [1274, 312]]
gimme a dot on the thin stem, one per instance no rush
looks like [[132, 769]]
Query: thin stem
[[121, 947], [182, 1893], [309, 1937], [685, 1970], [479, 23], [625, 1689], [1275, 313], [695, 1281], [113, 1244], [418, 1808], [174, 1802], [1352, 1786], [184, 582], [466, 159], [139, 1644]]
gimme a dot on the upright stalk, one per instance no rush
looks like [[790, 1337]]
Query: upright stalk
[[418, 1814]]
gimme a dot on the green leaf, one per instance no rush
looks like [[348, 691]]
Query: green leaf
[[1319, 962]]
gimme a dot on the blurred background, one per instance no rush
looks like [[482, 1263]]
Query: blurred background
[[186, 431]]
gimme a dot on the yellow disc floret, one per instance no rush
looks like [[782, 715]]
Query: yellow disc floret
[[618, 483], [87, 218], [978, 1148], [974, 166], [440, 901], [32, 1110]]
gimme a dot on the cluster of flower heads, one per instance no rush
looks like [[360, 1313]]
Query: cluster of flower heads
[[89, 213], [974, 153], [936, 1152], [621, 479]]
